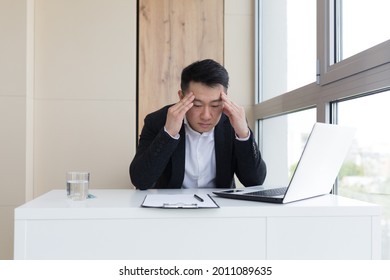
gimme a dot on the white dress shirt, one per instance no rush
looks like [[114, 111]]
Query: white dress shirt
[[200, 166]]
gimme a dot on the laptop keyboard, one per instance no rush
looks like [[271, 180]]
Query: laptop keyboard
[[269, 192]]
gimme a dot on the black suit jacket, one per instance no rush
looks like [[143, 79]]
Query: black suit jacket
[[160, 160]]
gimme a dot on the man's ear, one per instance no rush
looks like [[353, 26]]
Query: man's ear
[[180, 94]]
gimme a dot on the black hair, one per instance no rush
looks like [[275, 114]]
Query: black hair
[[208, 72]]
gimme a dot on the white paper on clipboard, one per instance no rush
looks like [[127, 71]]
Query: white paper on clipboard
[[179, 201]]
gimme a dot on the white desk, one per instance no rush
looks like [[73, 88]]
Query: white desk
[[114, 226]]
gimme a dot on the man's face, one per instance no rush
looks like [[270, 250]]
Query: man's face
[[207, 109]]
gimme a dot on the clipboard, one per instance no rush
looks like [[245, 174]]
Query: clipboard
[[179, 201]]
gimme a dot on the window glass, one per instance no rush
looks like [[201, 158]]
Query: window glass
[[284, 138], [364, 25], [365, 174], [285, 42], [287, 46]]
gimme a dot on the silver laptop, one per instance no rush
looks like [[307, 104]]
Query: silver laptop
[[317, 169]]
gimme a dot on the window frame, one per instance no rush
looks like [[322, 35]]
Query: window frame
[[365, 72], [329, 69]]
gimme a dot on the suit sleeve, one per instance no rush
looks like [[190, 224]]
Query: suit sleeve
[[250, 166], [153, 153]]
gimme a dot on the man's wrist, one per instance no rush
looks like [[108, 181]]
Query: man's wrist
[[176, 137], [244, 138]]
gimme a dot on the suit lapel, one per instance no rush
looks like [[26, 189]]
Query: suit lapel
[[222, 157], [178, 161]]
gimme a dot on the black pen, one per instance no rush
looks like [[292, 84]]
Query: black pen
[[198, 198]]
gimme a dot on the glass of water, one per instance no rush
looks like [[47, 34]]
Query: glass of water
[[77, 185]]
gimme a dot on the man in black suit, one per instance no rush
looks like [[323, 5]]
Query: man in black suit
[[201, 141]]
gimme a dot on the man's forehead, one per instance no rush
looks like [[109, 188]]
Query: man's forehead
[[201, 86]]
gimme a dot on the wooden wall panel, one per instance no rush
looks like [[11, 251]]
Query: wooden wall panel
[[173, 34]]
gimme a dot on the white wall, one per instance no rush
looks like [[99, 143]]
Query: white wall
[[85, 77], [67, 97], [68, 93], [14, 97]]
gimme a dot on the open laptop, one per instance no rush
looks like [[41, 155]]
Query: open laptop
[[317, 169]]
